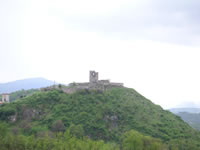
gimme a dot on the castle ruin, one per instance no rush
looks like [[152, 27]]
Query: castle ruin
[[93, 84]]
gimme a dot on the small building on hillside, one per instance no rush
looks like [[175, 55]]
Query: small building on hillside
[[5, 98]]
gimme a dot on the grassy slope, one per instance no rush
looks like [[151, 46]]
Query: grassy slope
[[103, 115]]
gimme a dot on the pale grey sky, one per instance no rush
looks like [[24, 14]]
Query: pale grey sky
[[150, 45]]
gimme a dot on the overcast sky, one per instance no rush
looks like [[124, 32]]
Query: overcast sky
[[152, 46]]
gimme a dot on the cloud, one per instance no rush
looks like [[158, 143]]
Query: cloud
[[167, 21], [188, 104], [164, 21]]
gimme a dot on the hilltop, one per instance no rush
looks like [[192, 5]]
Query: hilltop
[[100, 115], [26, 84]]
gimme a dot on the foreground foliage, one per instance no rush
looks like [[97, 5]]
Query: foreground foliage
[[67, 141]]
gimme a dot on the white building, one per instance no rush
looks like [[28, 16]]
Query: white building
[[5, 98]]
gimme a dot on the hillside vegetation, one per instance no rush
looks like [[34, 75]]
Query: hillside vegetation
[[119, 118]]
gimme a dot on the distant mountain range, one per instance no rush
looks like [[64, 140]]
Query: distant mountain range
[[189, 115], [188, 110], [192, 119], [26, 84]]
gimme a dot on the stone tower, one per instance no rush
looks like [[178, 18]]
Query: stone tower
[[5, 98], [93, 77]]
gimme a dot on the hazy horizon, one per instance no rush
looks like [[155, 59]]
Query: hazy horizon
[[149, 45]]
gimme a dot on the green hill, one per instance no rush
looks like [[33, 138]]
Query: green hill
[[112, 116]]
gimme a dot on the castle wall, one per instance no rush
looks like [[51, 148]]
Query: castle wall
[[103, 81], [74, 87], [117, 84]]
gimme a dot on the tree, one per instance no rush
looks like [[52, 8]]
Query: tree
[[58, 126], [59, 86], [132, 141], [76, 130]]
